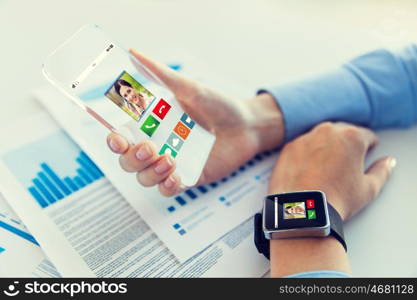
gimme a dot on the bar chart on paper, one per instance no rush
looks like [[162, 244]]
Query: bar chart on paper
[[48, 187], [52, 168]]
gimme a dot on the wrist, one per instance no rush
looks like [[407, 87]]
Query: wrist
[[265, 121], [297, 255], [339, 205]]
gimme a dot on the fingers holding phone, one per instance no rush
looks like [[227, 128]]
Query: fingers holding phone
[[151, 168]]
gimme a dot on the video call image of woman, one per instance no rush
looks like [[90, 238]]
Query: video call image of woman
[[130, 95], [135, 101], [294, 210]]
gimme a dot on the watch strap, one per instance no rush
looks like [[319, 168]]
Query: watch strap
[[336, 225], [261, 242]]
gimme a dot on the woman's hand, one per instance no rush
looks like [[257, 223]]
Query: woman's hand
[[242, 129], [330, 158]]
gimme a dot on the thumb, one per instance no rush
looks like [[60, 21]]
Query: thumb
[[173, 80], [378, 174]]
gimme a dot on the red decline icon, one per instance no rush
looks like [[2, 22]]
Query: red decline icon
[[161, 109], [310, 203]]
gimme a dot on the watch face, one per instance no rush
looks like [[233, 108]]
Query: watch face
[[295, 210]]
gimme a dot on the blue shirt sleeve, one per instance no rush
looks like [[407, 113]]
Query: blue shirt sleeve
[[320, 274], [377, 90]]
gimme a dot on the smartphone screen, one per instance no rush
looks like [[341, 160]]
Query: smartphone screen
[[119, 92]]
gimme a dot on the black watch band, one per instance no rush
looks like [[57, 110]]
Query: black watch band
[[261, 242], [336, 230], [336, 225]]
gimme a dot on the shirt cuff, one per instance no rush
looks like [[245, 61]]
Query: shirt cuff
[[320, 274], [332, 96]]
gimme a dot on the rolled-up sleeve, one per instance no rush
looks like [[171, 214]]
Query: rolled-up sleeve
[[378, 90]]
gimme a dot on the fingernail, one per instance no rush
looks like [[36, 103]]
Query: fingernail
[[392, 162], [163, 165], [114, 145], [169, 182], [144, 152]]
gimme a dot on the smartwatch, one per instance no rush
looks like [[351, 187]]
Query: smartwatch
[[295, 215]]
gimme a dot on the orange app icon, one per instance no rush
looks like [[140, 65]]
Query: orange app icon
[[182, 130]]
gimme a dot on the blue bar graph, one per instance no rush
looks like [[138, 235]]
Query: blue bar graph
[[52, 168], [91, 172], [48, 187], [84, 176], [71, 184], [55, 178], [44, 191], [38, 197], [92, 165], [79, 181]]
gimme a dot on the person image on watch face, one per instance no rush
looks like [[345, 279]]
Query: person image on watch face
[[294, 210]]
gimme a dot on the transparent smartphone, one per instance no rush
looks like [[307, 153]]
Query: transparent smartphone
[[112, 86]]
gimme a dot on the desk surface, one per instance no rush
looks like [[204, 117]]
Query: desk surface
[[256, 43]]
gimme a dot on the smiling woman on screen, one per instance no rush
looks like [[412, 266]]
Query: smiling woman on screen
[[134, 100]]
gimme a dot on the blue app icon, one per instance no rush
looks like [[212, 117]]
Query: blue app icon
[[187, 121]]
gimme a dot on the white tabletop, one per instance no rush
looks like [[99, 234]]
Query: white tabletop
[[256, 43]]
